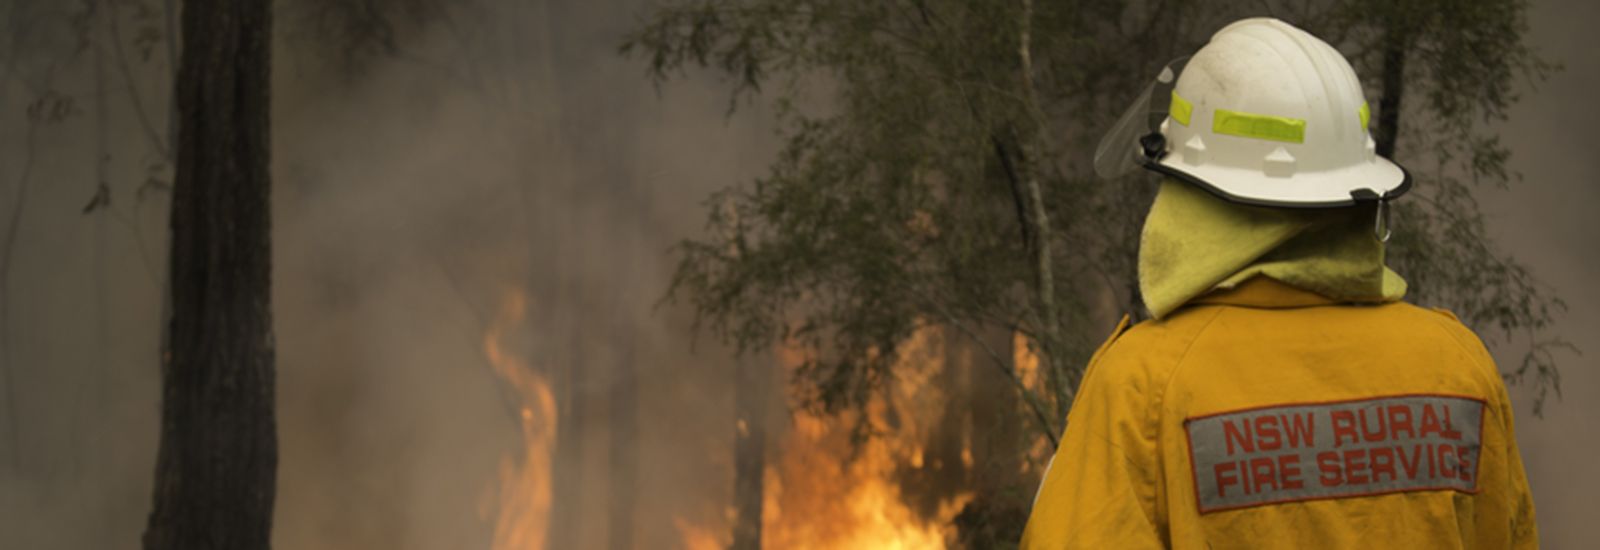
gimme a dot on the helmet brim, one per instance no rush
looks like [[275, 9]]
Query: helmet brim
[[1380, 179]]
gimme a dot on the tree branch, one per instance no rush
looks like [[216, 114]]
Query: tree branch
[[7, 245], [1043, 269], [133, 90], [1004, 367]]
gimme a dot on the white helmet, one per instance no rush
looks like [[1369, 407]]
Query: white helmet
[[1268, 114]]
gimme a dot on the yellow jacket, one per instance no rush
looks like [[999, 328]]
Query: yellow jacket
[[1271, 417]]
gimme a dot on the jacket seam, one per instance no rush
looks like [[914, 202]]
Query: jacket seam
[[1178, 365], [1154, 414]]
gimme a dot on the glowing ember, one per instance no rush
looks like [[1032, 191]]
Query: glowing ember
[[523, 515]]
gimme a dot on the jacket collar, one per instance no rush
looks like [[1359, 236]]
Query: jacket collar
[[1264, 292]]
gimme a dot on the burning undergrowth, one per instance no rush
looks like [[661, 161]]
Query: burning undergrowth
[[522, 510], [899, 489]]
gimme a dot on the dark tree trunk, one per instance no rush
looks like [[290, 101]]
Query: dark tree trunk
[[568, 470], [624, 443], [751, 396], [600, 128], [1396, 40], [216, 468], [619, 181], [999, 428]]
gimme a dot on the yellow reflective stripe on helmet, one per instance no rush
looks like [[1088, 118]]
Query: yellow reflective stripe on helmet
[[1366, 115], [1181, 109], [1276, 128]]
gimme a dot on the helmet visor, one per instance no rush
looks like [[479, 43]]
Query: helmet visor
[[1119, 151]]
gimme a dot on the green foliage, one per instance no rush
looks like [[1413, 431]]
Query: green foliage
[[911, 130], [888, 212], [1467, 62], [900, 198]]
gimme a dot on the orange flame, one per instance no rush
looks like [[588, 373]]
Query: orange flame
[[1026, 356], [822, 492], [701, 537], [524, 508]]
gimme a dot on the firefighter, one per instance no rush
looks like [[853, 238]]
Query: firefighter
[[1282, 395]]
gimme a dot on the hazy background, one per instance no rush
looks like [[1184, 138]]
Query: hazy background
[[414, 192], [1550, 221]]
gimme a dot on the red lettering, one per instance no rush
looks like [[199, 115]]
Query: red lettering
[[1447, 467], [1267, 430], [1466, 466], [1344, 424], [1355, 466], [1432, 464], [1400, 420], [1368, 432], [1223, 481], [1430, 422], [1328, 464], [1382, 462], [1410, 466], [1230, 433], [1289, 471], [1244, 476], [1263, 474], [1300, 428], [1450, 430]]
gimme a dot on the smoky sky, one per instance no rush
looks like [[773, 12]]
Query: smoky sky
[[414, 195], [1549, 222]]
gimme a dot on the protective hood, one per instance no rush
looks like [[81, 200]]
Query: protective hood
[[1194, 242]]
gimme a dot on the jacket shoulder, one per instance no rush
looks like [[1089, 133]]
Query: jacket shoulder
[[1151, 348], [1445, 323]]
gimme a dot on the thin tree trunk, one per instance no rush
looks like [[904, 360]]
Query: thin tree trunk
[[217, 464], [100, 197], [751, 395], [568, 469], [1396, 41], [624, 445], [624, 398], [618, 178], [8, 244], [1033, 148]]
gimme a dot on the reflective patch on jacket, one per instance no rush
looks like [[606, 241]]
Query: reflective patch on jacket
[[1295, 452]]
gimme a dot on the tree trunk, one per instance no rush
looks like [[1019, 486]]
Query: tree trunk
[[216, 468], [600, 129], [1033, 150], [751, 395], [624, 445], [568, 470], [1395, 43]]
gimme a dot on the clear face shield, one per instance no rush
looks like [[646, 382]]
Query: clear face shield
[[1135, 139]]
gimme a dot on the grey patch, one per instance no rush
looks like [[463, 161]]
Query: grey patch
[[1306, 451]]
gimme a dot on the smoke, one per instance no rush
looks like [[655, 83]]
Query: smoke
[[410, 197], [501, 149], [1548, 222]]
